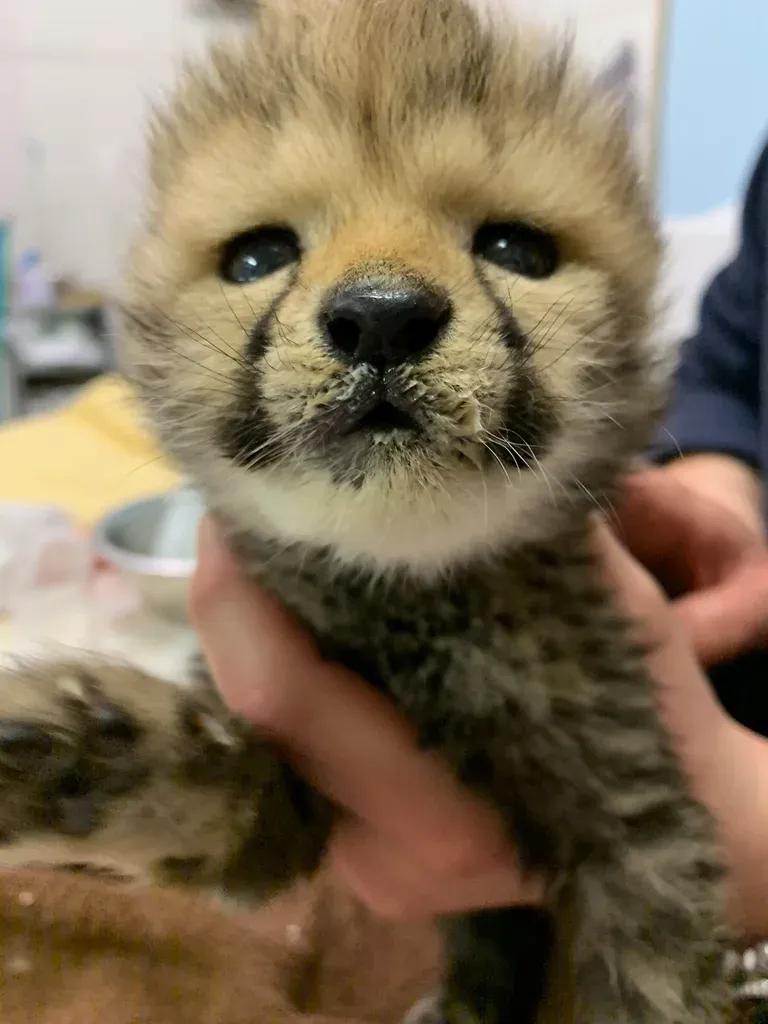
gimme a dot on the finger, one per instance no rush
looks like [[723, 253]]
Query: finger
[[387, 879], [222, 600], [727, 612], [731, 618], [346, 738], [639, 596], [648, 515], [695, 721], [681, 538]]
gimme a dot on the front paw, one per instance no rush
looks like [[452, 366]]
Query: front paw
[[104, 766]]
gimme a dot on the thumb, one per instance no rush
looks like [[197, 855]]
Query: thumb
[[248, 637], [730, 618]]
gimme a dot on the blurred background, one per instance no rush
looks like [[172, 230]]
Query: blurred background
[[76, 78]]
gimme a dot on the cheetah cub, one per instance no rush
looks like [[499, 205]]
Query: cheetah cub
[[390, 312]]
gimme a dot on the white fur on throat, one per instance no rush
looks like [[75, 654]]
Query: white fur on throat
[[385, 529]]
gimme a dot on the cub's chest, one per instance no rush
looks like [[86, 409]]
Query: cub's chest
[[522, 620]]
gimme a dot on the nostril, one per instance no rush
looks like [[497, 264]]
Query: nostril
[[422, 332], [382, 326], [345, 334]]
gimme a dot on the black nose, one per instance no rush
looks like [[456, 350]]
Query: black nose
[[370, 323]]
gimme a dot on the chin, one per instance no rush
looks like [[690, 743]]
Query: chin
[[401, 514]]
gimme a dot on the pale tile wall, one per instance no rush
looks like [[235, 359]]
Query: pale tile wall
[[75, 80]]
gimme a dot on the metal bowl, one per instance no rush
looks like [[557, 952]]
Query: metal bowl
[[152, 542]]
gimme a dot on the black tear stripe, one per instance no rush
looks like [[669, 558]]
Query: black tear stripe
[[530, 419], [259, 339], [246, 427], [529, 424], [511, 332]]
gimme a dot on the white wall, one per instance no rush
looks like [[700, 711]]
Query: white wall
[[601, 27], [75, 79], [697, 247]]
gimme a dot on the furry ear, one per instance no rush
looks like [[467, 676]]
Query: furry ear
[[618, 80], [229, 8]]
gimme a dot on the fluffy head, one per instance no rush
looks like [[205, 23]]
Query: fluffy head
[[392, 297]]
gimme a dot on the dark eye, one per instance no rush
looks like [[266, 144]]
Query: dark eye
[[519, 248], [257, 254]]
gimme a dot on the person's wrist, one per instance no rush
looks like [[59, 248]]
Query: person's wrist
[[743, 819]]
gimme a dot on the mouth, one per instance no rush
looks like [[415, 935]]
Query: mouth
[[373, 427], [383, 418], [377, 408]]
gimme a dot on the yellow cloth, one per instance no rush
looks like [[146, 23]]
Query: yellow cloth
[[87, 458]]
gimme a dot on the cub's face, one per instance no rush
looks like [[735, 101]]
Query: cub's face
[[393, 294]]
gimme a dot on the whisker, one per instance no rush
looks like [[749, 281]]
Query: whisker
[[195, 335], [233, 311]]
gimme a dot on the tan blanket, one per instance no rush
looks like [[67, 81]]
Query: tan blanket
[[75, 950]]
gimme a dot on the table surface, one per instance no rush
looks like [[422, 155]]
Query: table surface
[[141, 638]]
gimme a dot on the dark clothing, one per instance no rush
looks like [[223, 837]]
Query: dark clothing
[[742, 688], [721, 402]]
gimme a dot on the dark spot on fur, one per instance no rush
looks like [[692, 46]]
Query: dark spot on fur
[[397, 625], [113, 727], [246, 432], [367, 123], [655, 823], [23, 743], [476, 769], [78, 797], [548, 559], [6, 839], [712, 871], [76, 813], [474, 75], [94, 871], [73, 785], [182, 869]]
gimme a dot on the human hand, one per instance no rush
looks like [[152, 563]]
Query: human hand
[[697, 525]]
